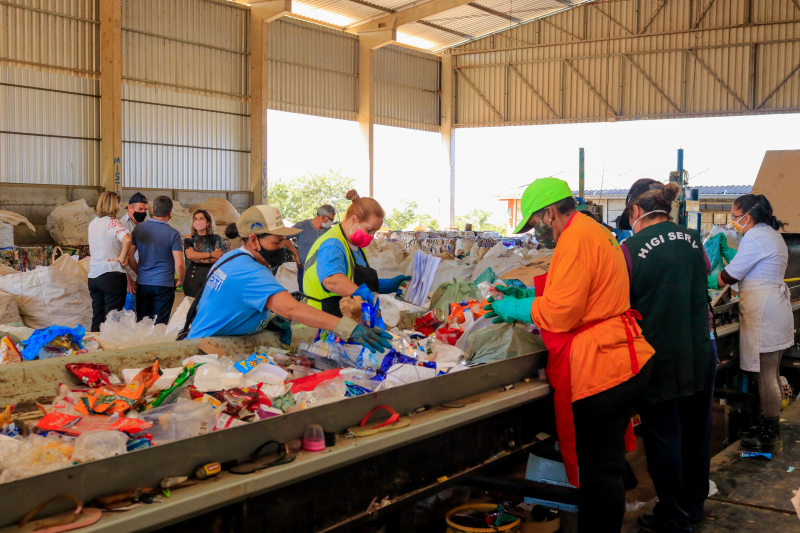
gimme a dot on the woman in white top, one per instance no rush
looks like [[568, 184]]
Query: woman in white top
[[766, 324], [109, 243]]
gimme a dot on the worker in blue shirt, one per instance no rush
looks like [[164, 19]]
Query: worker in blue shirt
[[240, 291], [337, 265]]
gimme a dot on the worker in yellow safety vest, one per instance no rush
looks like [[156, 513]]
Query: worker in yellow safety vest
[[337, 265]]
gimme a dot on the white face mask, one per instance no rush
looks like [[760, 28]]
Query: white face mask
[[328, 224], [633, 226]]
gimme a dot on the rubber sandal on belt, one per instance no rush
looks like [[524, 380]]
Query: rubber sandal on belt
[[394, 422], [80, 517], [256, 463]]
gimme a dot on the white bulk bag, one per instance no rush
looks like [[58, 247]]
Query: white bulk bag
[[49, 297]]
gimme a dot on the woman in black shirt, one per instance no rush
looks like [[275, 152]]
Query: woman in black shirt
[[202, 249]]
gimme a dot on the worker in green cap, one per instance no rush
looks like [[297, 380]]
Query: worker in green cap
[[597, 357]]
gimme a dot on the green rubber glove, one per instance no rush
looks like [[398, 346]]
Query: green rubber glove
[[516, 293], [509, 310], [375, 339]]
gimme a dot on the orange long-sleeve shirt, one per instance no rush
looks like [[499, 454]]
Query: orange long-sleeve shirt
[[588, 282]]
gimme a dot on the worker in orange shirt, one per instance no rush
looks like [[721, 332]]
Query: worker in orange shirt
[[596, 354]]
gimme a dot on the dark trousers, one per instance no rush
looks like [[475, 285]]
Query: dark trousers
[[155, 301], [677, 444], [600, 424], [108, 293], [300, 272]]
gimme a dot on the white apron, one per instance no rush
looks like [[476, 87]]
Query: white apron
[[766, 322]]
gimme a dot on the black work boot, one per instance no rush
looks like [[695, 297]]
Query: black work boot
[[769, 439], [752, 431]]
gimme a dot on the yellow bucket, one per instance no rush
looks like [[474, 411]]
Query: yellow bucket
[[513, 527]]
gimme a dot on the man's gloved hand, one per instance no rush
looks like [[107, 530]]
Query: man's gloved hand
[[365, 294], [514, 292], [389, 286], [509, 310], [375, 339]]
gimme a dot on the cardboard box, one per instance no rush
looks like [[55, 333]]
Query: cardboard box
[[777, 180], [527, 272]]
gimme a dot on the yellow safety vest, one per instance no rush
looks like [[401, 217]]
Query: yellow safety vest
[[312, 285]]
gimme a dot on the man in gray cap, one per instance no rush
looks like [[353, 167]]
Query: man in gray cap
[[137, 213]]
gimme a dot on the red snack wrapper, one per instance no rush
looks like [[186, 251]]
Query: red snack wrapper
[[195, 394], [76, 425], [92, 374], [119, 398], [432, 318], [449, 335], [237, 400]]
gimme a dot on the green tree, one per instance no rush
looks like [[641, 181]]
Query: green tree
[[480, 221], [429, 222], [299, 199], [400, 219]]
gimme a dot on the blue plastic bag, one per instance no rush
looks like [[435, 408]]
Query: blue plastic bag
[[41, 337]]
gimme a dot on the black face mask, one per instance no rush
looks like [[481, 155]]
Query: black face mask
[[274, 258], [139, 217]]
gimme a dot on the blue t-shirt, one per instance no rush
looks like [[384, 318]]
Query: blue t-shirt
[[155, 240], [332, 259], [235, 298], [307, 238]]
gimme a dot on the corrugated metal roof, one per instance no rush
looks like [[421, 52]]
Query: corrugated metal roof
[[443, 30]]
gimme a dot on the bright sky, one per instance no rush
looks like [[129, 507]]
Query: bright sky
[[409, 164]]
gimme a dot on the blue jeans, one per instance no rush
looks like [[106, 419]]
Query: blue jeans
[[155, 301], [300, 272]]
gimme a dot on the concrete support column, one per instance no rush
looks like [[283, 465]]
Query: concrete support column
[[367, 44], [448, 135], [111, 94], [261, 14]]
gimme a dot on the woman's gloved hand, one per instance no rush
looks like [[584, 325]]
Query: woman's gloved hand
[[375, 339], [516, 293], [365, 294], [389, 286], [509, 310]]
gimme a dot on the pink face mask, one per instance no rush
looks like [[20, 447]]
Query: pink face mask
[[199, 225], [360, 238]]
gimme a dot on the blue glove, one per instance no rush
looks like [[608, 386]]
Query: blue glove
[[373, 338], [365, 294], [390, 286], [514, 292], [509, 310]]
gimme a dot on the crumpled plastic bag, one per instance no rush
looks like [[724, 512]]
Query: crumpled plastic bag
[[454, 291], [94, 445], [36, 455], [177, 421], [391, 308], [501, 341], [120, 330], [119, 398], [719, 254], [42, 337]]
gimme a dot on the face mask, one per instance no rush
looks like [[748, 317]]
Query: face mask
[[139, 217], [735, 223], [633, 226], [544, 235], [328, 224], [359, 238], [199, 225], [275, 258]]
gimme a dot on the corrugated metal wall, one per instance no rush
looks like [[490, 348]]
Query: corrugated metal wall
[[407, 85], [634, 60], [185, 116], [49, 96]]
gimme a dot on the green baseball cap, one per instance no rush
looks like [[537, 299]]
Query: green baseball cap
[[539, 194]]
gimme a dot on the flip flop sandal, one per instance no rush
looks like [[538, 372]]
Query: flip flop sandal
[[254, 463], [67, 521], [394, 422]]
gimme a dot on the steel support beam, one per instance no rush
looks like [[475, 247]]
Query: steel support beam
[[367, 44], [482, 97], [561, 29], [533, 90], [612, 19], [714, 75], [111, 95], [261, 14], [447, 106], [491, 11], [568, 63], [703, 14], [653, 16], [651, 82], [777, 88]]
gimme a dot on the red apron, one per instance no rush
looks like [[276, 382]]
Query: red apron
[[559, 373]]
